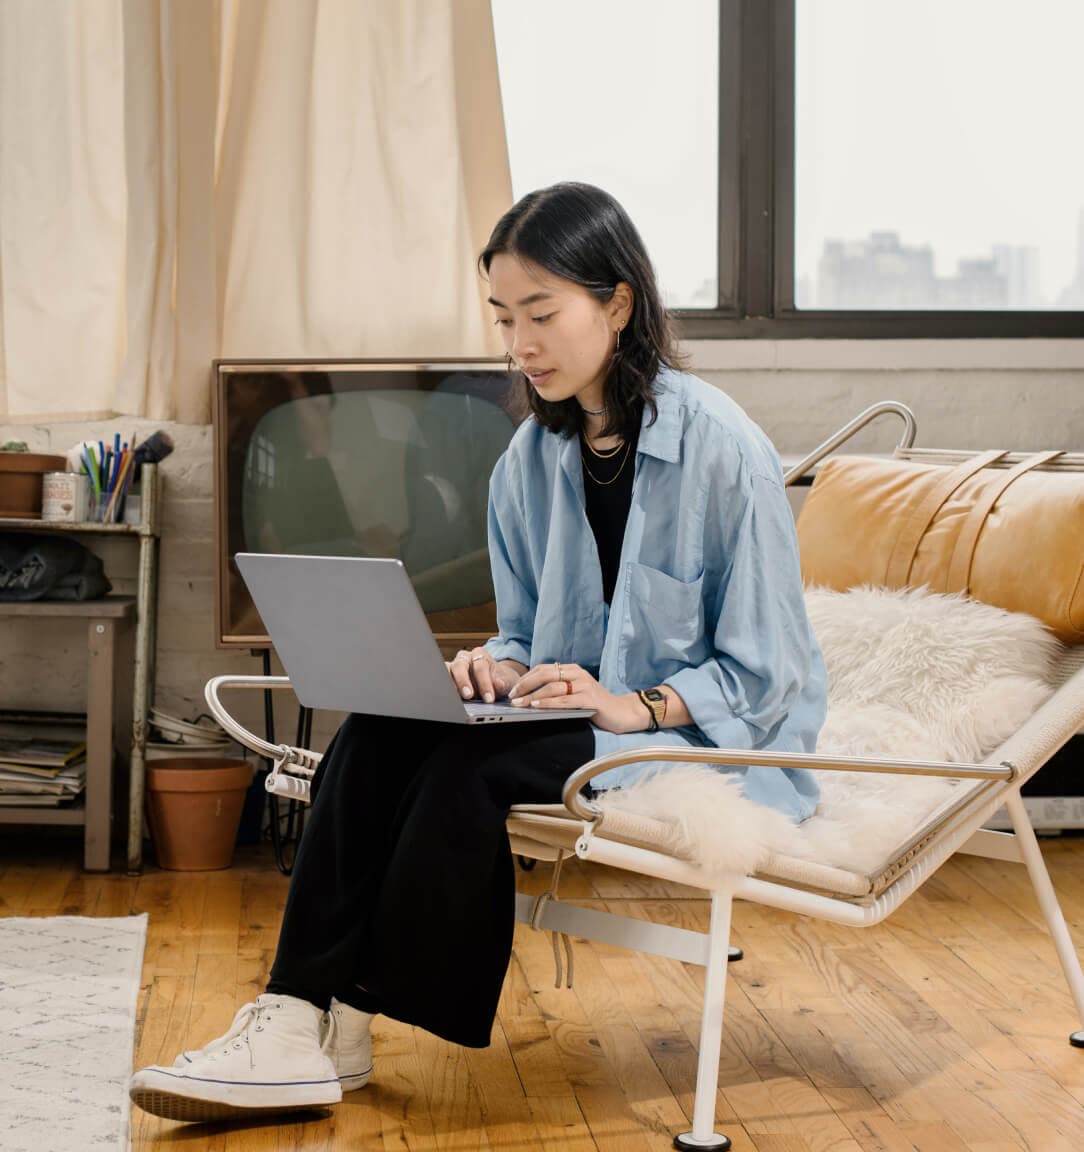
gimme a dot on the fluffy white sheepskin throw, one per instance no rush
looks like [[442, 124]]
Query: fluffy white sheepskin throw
[[911, 674]]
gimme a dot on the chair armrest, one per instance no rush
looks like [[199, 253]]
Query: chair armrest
[[584, 809], [279, 754]]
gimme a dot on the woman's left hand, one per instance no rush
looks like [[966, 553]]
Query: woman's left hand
[[570, 686]]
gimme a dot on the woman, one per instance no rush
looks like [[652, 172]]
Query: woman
[[645, 566]]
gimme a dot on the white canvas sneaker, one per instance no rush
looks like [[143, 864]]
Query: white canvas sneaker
[[240, 1022], [348, 1044], [270, 1060], [346, 1040]]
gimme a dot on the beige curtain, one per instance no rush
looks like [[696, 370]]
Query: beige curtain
[[188, 179]]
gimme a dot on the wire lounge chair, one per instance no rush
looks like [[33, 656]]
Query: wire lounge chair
[[850, 893]]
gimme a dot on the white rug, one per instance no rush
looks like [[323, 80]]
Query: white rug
[[910, 674], [68, 992]]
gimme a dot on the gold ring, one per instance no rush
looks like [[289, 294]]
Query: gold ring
[[558, 667], [475, 659]]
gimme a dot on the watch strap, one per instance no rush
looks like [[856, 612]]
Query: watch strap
[[650, 711]]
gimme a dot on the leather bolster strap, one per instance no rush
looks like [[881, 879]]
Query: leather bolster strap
[[963, 554], [898, 570]]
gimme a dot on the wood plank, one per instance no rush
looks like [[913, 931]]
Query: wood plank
[[943, 1030], [406, 1121], [561, 1119], [506, 1111], [107, 608], [454, 1102], [866, 1120]]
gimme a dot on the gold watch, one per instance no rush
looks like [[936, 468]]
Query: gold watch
[[655, 702]]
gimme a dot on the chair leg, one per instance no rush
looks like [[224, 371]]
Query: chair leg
[[703, 1137], [1048, 902]]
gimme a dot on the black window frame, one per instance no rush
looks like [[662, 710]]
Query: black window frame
[[756, 213]]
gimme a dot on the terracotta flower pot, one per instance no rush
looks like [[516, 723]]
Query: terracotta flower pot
[[194, 808], [20, 482]]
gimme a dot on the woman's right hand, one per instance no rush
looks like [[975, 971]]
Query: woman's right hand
[[475, 672]]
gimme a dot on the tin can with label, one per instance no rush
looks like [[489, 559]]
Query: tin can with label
[[65, 497]]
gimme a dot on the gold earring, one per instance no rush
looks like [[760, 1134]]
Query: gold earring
[[617, 346]]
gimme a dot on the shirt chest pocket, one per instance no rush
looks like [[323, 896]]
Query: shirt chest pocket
[[662, 630]]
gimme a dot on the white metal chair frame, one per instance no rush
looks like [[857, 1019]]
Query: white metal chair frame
[[635, 843]]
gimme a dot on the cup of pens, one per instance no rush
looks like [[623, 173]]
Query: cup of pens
[[110, 470]]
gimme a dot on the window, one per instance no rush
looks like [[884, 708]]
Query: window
[[804, 168], [623, 94], [935, 157]]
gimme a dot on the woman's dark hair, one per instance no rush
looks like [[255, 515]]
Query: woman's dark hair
[[582, 234]]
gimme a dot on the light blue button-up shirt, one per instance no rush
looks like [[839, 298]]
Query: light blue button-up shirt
[[708, 597]]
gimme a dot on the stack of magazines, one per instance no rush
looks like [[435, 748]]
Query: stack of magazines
[[41, 773]]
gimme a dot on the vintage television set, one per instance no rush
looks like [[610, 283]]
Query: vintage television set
[[361, 458]]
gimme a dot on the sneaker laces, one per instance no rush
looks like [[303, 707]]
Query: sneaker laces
[[332, 1025], [248, 1017], [336, 1030]]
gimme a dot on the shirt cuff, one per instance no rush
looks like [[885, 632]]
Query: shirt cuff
[[707, 706], [502, 649]]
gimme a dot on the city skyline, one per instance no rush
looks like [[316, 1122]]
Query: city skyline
[[880, 271], [950, 124], [959, 137]]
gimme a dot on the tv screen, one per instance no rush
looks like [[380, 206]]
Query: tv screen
[[362, 458]]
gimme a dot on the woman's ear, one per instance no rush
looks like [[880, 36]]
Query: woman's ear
[[620, 305]]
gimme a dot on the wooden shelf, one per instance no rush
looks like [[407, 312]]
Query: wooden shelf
[[106, 607], [103, 620], [63, 526], [74, 814]]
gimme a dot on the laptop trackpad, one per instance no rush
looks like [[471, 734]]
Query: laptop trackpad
[[511, 712]]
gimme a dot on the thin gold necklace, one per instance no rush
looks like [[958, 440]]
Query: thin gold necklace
[[613, 479], [602, 455]]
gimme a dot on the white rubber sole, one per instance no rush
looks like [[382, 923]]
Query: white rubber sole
[[354, 1082], [171, 1094]]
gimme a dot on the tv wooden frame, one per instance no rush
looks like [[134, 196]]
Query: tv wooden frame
[[448, 637]]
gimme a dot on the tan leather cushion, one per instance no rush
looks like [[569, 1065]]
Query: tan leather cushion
[[895, 523]]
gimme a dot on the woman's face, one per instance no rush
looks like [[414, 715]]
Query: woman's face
[[556, 332]]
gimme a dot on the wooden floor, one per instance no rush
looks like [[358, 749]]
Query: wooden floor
[[943, 1030]]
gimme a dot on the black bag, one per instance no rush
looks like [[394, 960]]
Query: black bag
[[42, 567]]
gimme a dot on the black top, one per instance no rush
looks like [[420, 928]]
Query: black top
[[607, 486]]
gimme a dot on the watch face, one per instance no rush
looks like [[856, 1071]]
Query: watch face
[[654, 694]]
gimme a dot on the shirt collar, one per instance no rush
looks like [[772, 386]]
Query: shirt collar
[[662, 438]]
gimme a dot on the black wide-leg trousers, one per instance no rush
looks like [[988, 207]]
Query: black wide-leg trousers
[[403, 885]]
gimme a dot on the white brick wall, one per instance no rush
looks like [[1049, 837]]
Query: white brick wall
[[965, 394]]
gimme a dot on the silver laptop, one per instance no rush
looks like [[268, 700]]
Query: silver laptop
[[352, 637]]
